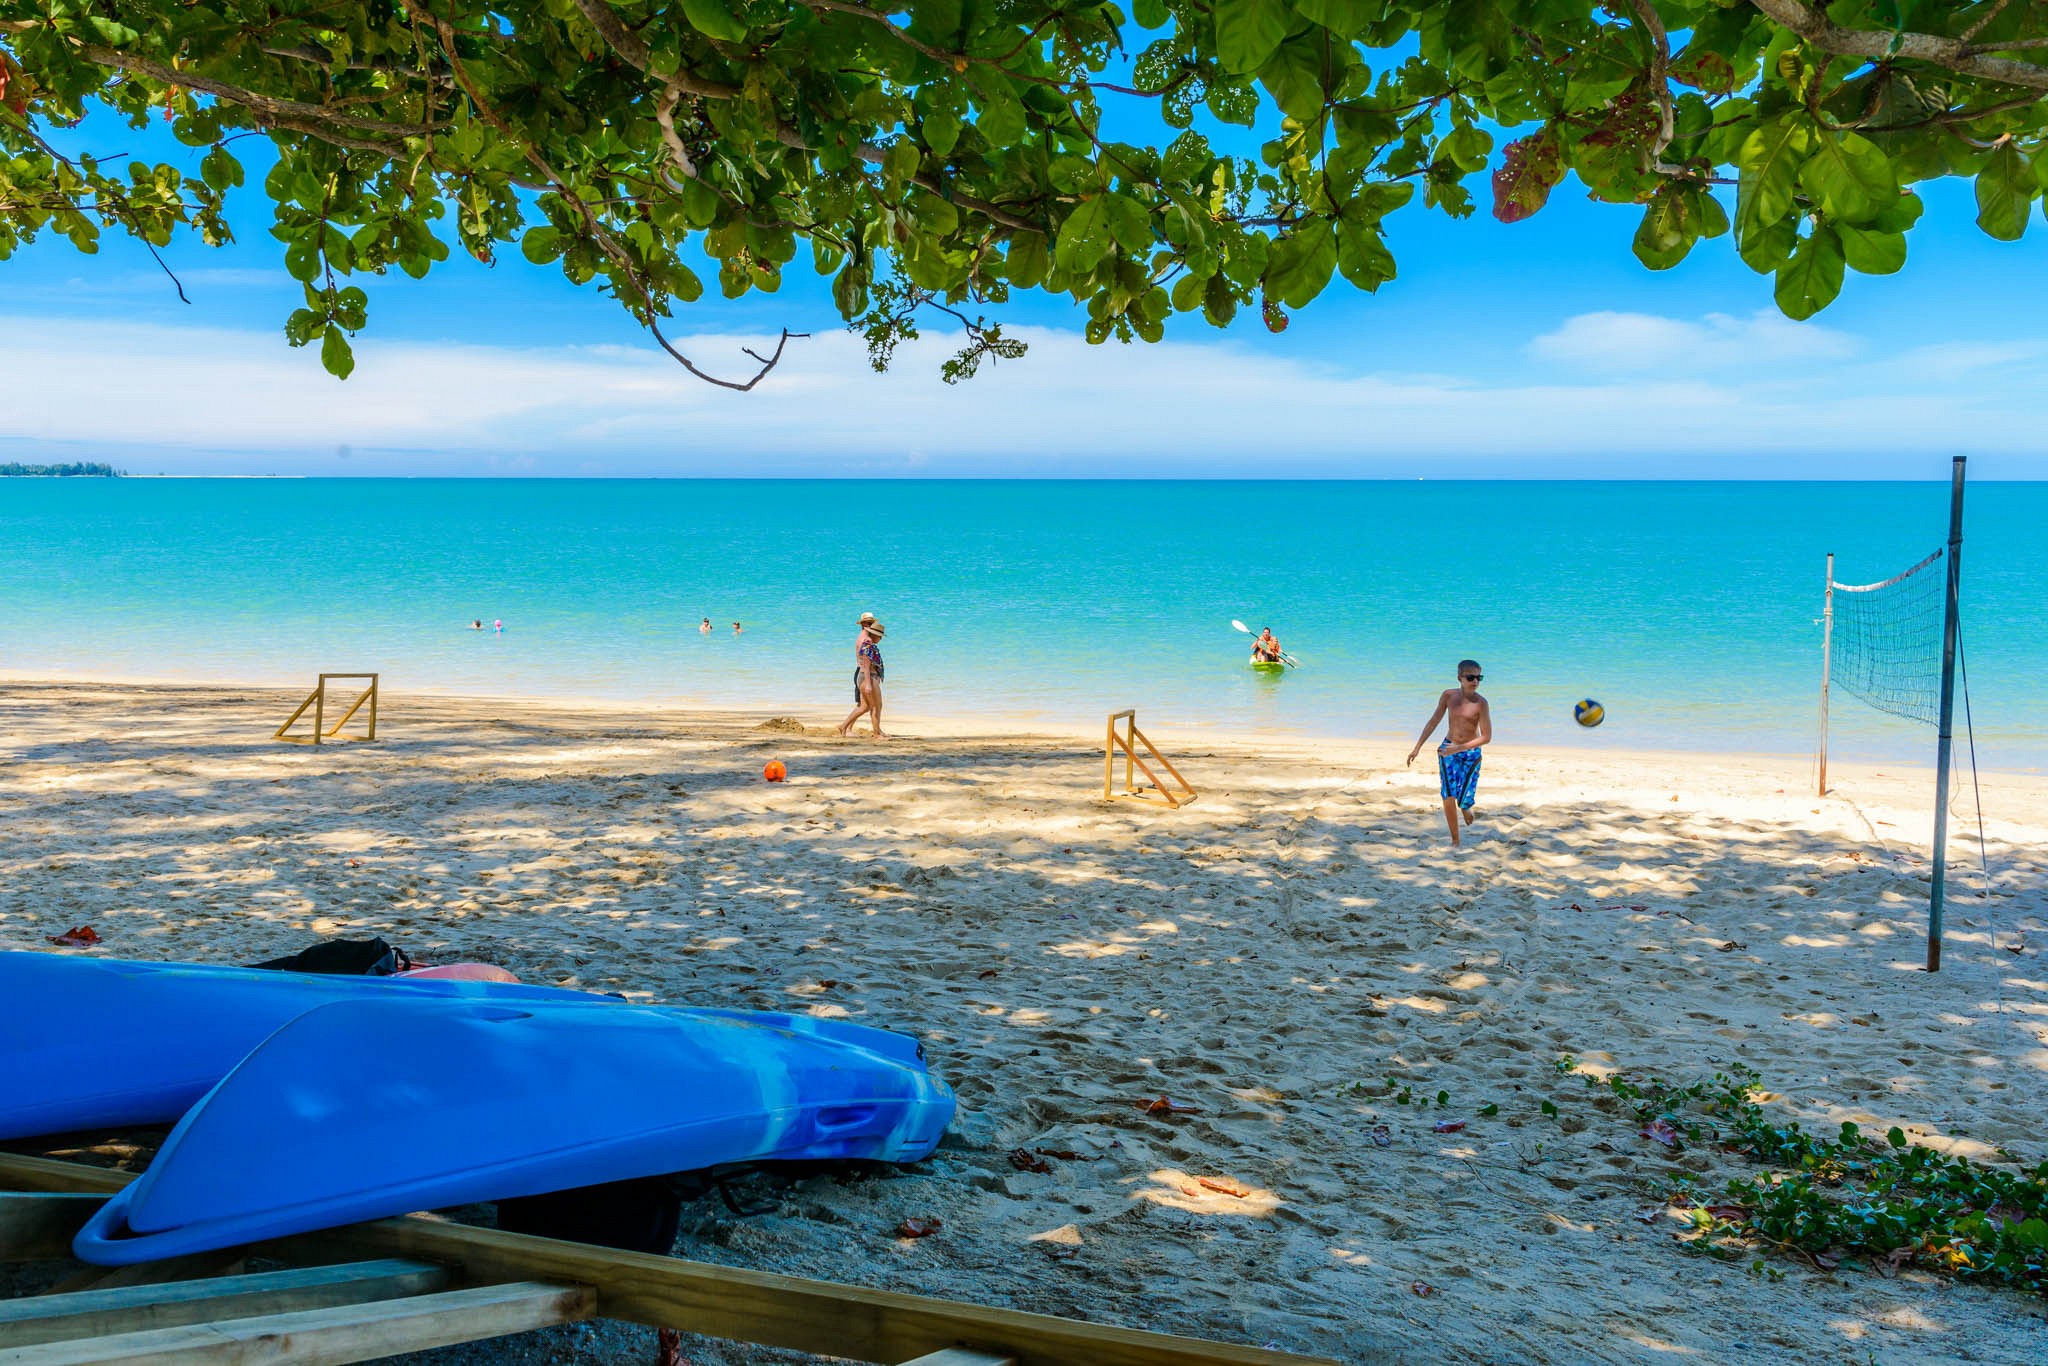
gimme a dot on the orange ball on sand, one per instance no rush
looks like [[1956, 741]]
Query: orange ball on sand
[[775, 772]]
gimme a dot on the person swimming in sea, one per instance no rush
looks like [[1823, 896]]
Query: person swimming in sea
[[735, 628], [477, 624], [704, 627], [1457, 758]]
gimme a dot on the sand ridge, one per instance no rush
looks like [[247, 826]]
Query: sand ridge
[[1265, 961]]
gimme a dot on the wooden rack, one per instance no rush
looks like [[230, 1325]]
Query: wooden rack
[[404, 1285], [317, 700], [1157, 794]]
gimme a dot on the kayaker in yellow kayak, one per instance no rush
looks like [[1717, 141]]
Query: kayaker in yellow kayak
[[1265, 648]]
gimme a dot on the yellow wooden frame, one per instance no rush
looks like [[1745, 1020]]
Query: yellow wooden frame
[[317, 700], [1158, 794]]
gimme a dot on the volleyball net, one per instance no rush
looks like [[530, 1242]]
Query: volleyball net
[[1884, 639]]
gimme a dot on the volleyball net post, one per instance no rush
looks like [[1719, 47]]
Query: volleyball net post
[[1878, 644], [1946, 744]]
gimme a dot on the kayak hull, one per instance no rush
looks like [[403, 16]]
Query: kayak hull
[[102, 1042], [364, 1108]]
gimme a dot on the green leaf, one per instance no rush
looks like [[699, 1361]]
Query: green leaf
[[1129, 223], [2005, 192], [1345, 18], [714, 19], [1025, 264], [1085, 237], [1301, 263], [541, 245], [1001, 120], [1249, 31], [1810, 281], [302, 259], [1764, 250], [1849, 176], [1872, 251], [1294, 77], [1362, 255], [1769, 161], [1151, 13], [120, 35], [335, 354], [850, 291]]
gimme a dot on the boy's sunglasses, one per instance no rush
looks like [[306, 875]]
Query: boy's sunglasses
[[1472, 678]]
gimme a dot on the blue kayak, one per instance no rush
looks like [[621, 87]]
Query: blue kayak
[[101, 1042], [370, 1107]]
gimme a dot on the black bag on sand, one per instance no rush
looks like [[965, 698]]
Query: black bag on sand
[[344, 958]]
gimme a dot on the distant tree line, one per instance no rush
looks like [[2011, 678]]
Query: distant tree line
[[12, 469]]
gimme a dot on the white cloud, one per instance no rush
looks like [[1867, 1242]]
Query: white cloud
[[202, 400], [1635, 342]]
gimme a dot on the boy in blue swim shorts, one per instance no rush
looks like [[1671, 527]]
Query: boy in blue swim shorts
[[1457, 758]]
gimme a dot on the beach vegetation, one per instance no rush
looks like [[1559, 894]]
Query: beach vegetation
[[76, 469], [1154, 160], [1840, 1198]]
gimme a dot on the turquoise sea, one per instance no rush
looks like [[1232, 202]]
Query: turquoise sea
[[1689, 609]]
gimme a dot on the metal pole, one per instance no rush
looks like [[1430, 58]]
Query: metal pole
[[1948, 708], [1827, 638]]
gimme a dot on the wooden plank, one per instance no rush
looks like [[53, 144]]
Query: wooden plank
[[328, 1337], [34, 1227], [190, 1267], [773, 1310], [23, 1173], [746, 1306], [957, 1356], [95, 1313]]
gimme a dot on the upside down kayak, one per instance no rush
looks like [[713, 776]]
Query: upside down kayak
[[101, 1042], [367, 1107]]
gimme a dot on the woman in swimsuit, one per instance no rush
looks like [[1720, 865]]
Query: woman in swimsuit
[[867, 679]]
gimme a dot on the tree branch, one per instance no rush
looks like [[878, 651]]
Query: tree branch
[[272, 108], [1952, 54], [1660, 83], [598, 232]]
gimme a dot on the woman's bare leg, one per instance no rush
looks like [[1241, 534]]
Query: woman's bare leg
[[875, 707]]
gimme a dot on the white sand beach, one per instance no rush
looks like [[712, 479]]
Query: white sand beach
[[1266, 959]]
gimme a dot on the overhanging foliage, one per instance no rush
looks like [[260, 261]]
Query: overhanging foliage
[[946, 152]]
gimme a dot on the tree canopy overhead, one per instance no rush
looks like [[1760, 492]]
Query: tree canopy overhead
[[939, 154]]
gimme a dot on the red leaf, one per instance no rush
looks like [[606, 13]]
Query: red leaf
[[1663, 1131], [1166, 1105], [1422, 1288], [917, 1227], [78, 937], [986, 973], [1449, 1126], [1732, 1213], [1063, 1154], [1276, 319], [1225, 1185], [1530, 168], [1024, 1161]]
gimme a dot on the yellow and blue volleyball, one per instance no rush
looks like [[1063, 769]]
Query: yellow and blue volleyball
[[1587, 712]]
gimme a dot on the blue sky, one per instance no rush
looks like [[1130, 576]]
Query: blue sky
[[1541, 349]]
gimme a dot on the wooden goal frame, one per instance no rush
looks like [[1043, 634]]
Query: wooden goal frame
[[317, 700], [1158, 793]]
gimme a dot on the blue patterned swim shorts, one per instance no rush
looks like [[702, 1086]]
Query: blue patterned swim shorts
[[1458, 775]]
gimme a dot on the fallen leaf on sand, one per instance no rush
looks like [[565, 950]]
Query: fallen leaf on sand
[[1826, 1261], [1380, 1137], [1663, 1130], [1422, 1288], [917, 1227], [1063, 1154], [1166, 1105], [77, 937], [1448, 1126], [1651, 1214], [1025, 1161], [986, 972], [1731, 1213], [1225, 1185]]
